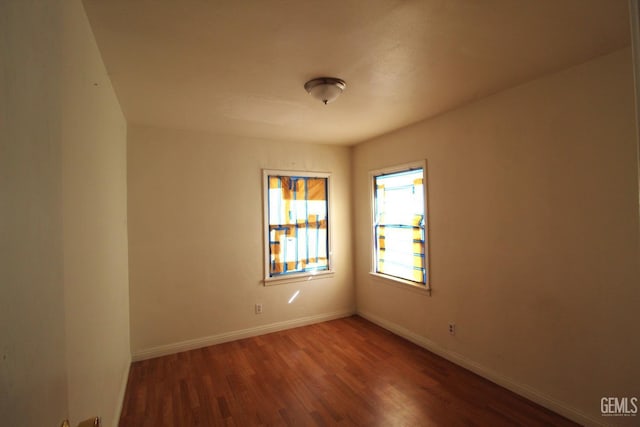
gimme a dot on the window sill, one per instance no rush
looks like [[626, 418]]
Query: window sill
[[401, 283], [302, 277]]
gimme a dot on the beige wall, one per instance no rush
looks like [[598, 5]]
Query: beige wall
[[64, 292], [94, 190], [534, 237], [33, 386], [196, 239]]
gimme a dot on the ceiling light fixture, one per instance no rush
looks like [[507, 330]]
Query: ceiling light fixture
[[325, 89]]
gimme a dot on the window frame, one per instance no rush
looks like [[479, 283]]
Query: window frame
[[268, 279], [386, 278]]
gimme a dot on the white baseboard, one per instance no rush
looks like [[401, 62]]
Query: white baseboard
[[178, 347], [508, 383]]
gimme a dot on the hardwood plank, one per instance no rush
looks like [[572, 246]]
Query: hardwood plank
[[346, 372]]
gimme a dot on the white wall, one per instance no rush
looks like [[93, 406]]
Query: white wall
[[64, 287], [533, 232], [33, 386], [94, 191], [196, 239]]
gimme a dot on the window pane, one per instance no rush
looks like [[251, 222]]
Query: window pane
[[298, 234], [399, 225]]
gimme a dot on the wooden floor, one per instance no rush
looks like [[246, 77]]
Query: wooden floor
[[344, 372]]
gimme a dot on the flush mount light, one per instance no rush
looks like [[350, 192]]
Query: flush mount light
[[325, 89]]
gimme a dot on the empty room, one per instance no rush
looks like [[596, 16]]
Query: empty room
[[304, 213]]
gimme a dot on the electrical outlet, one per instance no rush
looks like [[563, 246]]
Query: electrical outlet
[[258, 308], [452, 328]]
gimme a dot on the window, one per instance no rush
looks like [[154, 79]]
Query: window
[[296, 224], [400, 224]]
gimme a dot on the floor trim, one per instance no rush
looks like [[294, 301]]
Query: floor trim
[[167, 349], [508, 383]]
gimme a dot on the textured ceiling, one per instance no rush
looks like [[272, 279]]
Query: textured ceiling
[[239, 66]]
